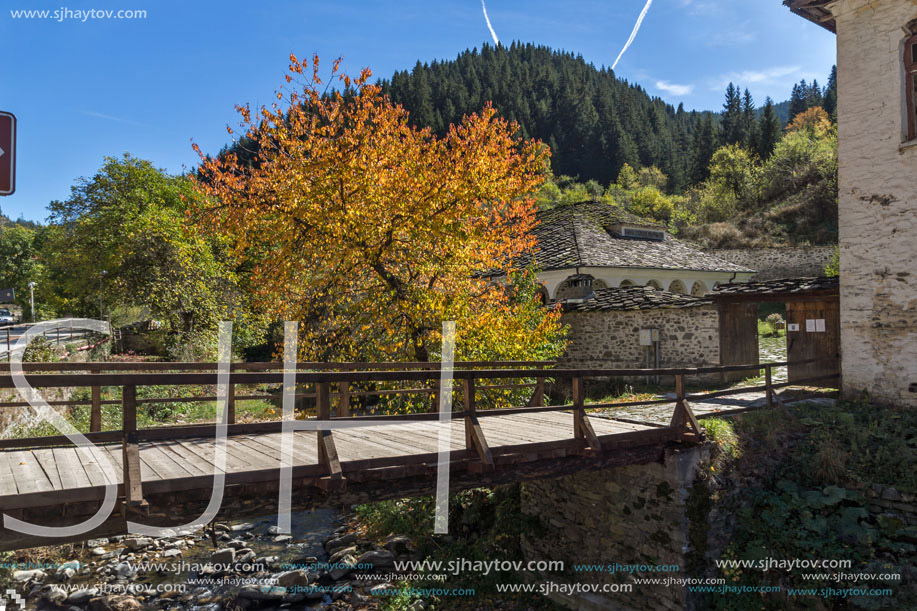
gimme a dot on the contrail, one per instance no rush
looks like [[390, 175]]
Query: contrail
[[633, 34], [490, 27]]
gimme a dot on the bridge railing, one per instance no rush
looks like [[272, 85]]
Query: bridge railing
[[470, 378]]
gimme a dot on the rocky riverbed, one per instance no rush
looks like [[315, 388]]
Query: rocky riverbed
[[324, 563]]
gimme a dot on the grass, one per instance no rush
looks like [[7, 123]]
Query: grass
[[722, 433], [766, 330]]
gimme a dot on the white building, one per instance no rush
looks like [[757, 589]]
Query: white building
[[877, 151]]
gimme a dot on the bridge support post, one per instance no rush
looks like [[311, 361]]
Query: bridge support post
[[130, 451], [582, 428], [683, 415], [327, 451], [95, 411], [474, 434]]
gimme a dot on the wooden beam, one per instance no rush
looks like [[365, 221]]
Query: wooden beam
[[327, 451], [130, 450], [95, 413], [344, 399]]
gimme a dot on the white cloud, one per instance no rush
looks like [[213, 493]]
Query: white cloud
[[674, 88], [767, 76]]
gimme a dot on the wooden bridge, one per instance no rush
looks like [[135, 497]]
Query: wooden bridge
[[165, 474]]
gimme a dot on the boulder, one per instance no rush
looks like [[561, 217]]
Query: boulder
[[339, 542], [344, 568], [378, 558], [24, 576], [224, 556], [138, 543], [344, 551], [291, 579]]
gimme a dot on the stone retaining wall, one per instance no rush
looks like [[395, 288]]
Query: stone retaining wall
[[627, 515], [774, 263]]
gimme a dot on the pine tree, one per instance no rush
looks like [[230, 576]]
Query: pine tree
[[732, 116], [704, 145], [798, 99], [830, 100], [748, 125], [769, 130]]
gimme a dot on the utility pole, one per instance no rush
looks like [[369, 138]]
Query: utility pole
[[32, 299]]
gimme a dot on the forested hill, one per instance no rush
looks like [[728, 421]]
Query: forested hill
[[593, 122]]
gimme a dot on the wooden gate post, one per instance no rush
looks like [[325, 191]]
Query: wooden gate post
[[130, 450], [768, 386]]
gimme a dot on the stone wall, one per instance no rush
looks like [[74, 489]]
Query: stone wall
[[877, 202], [689, 337], [628, 515], [774, 263]]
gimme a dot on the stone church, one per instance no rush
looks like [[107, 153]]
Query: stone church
[[877, 151]]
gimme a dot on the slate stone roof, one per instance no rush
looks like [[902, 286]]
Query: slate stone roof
[[577, 235], [785, 285], [634, 298]]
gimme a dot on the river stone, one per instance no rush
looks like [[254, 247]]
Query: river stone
[[24, 576], [254, 591], [341, 553], [379, 558], [273, 530], [240, 527], [116, 602], [345, 569], [171, 553], [293, 579], [124, 570], [99, 551], [283, 538], [224, 556], [339, 542], [53, 594], [80, 597], [67, 570], [97, 542], [138, 544], [379, 589], [245, 556], [397, 544]]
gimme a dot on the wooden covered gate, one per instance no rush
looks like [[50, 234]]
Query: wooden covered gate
[[812, 323]]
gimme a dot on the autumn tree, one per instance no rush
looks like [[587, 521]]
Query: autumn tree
[[371, 231]]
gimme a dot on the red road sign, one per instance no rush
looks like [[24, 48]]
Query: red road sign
[[7, 153]]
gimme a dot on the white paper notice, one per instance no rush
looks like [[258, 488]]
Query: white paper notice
[[819, 325], [793, 326], [810, 325]]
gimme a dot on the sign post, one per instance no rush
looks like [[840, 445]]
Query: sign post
[[7, 153]]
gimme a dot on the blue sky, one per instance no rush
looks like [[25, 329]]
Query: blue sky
[[86, 89]]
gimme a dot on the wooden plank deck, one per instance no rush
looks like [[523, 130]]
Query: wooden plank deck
[[65, 474]]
